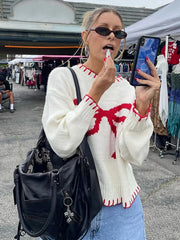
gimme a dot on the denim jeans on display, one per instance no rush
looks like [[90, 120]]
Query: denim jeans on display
[[117, 223]]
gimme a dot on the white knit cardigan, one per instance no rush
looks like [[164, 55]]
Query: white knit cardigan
[[117, 134]]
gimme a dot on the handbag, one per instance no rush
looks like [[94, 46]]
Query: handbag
[[57, 197]]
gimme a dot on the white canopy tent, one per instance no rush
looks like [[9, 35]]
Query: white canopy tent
[[162, 23], [130, 3], [20, 60]]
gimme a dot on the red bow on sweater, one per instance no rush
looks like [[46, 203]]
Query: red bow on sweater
[[111, 116]]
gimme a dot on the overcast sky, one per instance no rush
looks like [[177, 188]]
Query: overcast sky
[[128, 3]]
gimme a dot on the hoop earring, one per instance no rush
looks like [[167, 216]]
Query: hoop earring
[[86, 51], [119, 56], [81, 53]]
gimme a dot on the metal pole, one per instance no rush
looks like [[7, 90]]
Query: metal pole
[[166, 48]]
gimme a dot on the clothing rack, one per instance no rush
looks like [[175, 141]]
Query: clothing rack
[[126, 60], [176, 153], [169, 144], [154, 145]]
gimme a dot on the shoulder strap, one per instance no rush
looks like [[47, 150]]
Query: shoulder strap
[[78, 92]]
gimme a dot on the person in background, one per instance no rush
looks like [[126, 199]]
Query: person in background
[[116, 118], [5, 71], [9, 73], [5, 92]]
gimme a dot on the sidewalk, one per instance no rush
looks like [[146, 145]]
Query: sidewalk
[[158, 178]]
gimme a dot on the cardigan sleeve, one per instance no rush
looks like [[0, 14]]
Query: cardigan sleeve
[[64, 122], [133, 137]]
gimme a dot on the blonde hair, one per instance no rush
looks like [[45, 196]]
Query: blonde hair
[[91, 17]]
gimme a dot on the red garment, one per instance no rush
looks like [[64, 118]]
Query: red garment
[[173, 56]]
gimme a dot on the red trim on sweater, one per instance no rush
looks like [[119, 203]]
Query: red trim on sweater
[[119, 77], [136, 112], [87, 97], [120, 202], [75, 102], [114, 155], [86, 68]]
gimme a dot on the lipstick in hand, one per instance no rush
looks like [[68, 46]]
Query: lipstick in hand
[[108, 54]]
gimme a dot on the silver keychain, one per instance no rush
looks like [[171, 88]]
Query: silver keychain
[[68, 214]]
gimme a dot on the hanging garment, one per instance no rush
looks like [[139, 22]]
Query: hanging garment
[[174, 106], [173, 52], [120, 67], [157, 123], [162, 69], [176, 68], [125, 67]]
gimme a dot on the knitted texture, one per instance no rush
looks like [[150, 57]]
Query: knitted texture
[[117, 134]]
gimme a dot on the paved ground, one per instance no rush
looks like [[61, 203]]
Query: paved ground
[[158, 178]]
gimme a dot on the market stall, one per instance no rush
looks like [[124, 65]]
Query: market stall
[[165, 24], [45, 64]]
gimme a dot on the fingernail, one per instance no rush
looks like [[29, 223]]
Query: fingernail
[[147, 58], [135, 79], [137, 70], [104, 59]]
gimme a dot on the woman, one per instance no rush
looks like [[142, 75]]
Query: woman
[[116, 119]]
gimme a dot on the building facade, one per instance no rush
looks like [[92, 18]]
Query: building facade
[[49, 26]]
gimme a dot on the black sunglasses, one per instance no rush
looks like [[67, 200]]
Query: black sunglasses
[[103, 31]]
